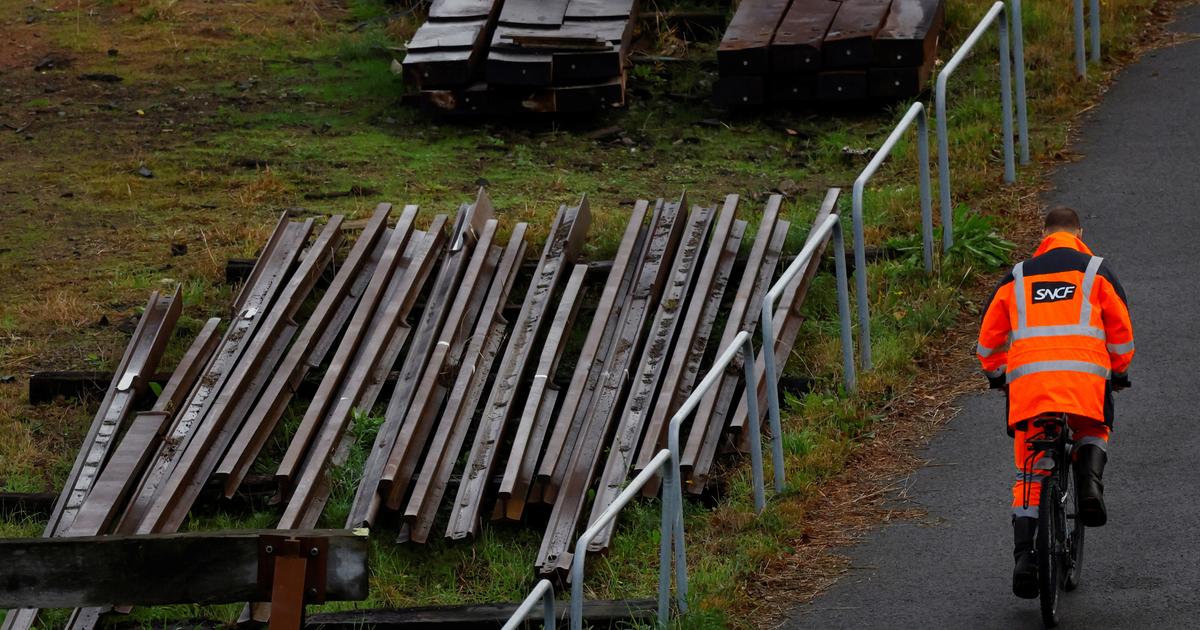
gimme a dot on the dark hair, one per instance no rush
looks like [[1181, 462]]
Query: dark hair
[[1062, 218]]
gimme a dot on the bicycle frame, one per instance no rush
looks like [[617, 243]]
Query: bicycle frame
[[1050, 450]]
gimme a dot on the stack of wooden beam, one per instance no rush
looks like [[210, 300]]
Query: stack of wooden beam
[[496, 56], [793, 51], [475, 415]]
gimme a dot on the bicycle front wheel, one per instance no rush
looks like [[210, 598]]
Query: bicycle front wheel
[[1050, 522]]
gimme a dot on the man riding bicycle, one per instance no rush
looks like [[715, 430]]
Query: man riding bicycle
[[1057, 335]]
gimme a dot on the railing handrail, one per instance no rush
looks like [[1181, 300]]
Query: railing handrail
[[916, 112], [997, 15], [543, 590]]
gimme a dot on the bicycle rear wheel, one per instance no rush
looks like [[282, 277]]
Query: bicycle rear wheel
[[1050, 524], [1075, 530]]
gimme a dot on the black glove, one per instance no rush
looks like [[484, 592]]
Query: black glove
[[1120, 380], [997, 382]]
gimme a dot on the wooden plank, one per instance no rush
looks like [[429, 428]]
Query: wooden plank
[[519, 68], [221, 567], [910, 35], [897, 83], [796, 46], [745, 47], [735, 91], [544, 13], [842, 85], [460, 9], [793, 88], [849, 42], [596, 613], [599, 9]]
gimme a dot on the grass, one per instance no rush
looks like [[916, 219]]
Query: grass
[[302, 94]]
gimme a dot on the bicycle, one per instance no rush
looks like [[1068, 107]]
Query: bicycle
[[1060, 533]]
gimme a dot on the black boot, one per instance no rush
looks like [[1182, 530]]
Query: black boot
[[1089, 484], [1025, 574]]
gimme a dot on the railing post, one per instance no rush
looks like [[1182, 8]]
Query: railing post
[[549, 619], [860, 276], [1095, 20], [664, 547], [927, 198], [843, 291], [1080, 60], [756, 472], [1018, 41], [1010, 167]]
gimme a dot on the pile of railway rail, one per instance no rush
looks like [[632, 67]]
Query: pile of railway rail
[[463, 348], [794, 51], [504, 56]]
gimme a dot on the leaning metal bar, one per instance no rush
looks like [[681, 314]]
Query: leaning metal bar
[[544, 591], [661, 460], [1017, 30], [995, 15], [1095, 19], [917, 113], [1080, 60]]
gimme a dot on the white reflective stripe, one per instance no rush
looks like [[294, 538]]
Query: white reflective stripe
[[1031, 511], [1030, 477], [1089, 278], [996, 373], [985, 351], [1064, 330], [1120, 348], [1057, 366], [1019, 293]]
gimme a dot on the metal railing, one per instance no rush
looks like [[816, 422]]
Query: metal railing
[[830, 228], [997, 15], [666, 462], [1017, 33], [915, 113], [543, 590], [1094, 15]]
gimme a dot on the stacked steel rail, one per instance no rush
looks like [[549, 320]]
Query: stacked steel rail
[[481, 420], [496, 56], [793, 51]]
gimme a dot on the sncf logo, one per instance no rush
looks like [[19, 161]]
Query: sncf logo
[[1052, 291]]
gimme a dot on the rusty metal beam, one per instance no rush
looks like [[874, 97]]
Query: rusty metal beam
[[652, 274], [592, 355], [328, 315], [469, 222], [562, 247], [655, 357], [538, 411], [429, 487], [431, 392]]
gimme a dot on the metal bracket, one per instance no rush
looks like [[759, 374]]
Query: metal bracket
[[291, 574]]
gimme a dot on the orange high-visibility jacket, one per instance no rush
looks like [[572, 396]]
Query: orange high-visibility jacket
[[1057, 326]]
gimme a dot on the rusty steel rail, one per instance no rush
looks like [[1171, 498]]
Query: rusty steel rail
[[651, 276], [469, 222], [537, 413], [567, 233], [641, 399], [430, 486], [595, 348], [702, 447]]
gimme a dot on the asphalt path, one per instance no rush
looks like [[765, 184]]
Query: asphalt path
[[1138, 186]]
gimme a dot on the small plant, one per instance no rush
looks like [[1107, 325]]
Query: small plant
[[977, 243]]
